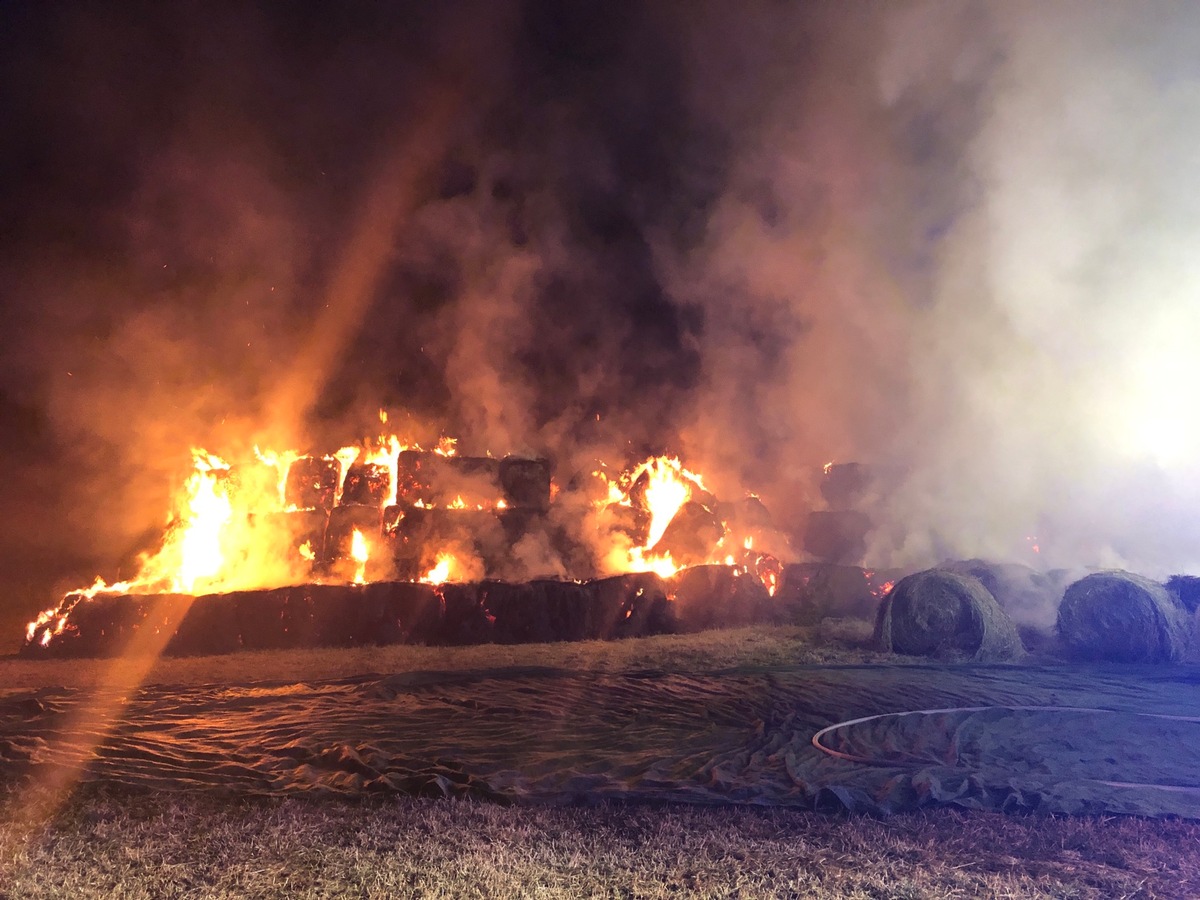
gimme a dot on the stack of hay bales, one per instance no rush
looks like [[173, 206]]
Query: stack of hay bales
[[946, 615]]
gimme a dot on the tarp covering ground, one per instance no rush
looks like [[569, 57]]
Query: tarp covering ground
[[738, 736]]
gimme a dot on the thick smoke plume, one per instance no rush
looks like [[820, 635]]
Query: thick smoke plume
[[953, 240]]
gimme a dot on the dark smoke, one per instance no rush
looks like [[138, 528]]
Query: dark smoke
[[950, 239]]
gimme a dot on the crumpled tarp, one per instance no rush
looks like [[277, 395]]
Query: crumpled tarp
[[550, 735]]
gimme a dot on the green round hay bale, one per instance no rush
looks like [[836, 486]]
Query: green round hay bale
[[1120, 617], [945, 615]]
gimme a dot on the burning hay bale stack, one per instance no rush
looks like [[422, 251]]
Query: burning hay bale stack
[[945, 615], [385, 542], [1119, 617], [474, 507]]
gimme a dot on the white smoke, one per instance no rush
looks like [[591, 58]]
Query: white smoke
[[960, 243]]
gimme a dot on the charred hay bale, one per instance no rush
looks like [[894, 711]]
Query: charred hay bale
[[749, 514], [276, 619], [413, 612], [464, 620], [101, 626], [525, 482], [837, 536], [366, 484], [566, 605], [537, 611], [517, 523], [630, 605], [945, 615], [41, 640], [296, 536], [519, 614], [376, 614], [631, 522], [210, 628], [1029, 597], [1120, 617], [810, 592], [844, 484], [413, 475], [343, 522], [692, 535], [322, 615], [312, 482], [1185, 589], [421, 532], [437, 480], [718, 597]]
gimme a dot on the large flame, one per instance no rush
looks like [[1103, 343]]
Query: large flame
[[666, 492], [208, 512], [662, 486], [360, 554]]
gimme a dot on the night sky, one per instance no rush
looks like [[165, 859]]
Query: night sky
[[761, 234]]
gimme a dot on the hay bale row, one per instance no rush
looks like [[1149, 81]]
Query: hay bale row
[[620, 606], [972, 609]]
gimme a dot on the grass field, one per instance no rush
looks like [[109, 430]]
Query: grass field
[[108, 842]]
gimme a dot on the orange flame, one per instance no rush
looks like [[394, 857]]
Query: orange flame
[[359, 553], [440, 573]]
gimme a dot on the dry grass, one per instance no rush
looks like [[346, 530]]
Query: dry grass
[[106, 845]]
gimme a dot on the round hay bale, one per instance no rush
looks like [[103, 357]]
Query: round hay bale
[[1030, 598], [945, 615], [1119, 617]]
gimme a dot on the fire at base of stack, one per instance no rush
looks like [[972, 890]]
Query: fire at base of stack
[[387, 542]]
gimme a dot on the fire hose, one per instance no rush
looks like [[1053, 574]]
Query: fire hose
[[871, 761]]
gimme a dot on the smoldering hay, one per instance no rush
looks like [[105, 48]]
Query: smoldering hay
[[952, 239]]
